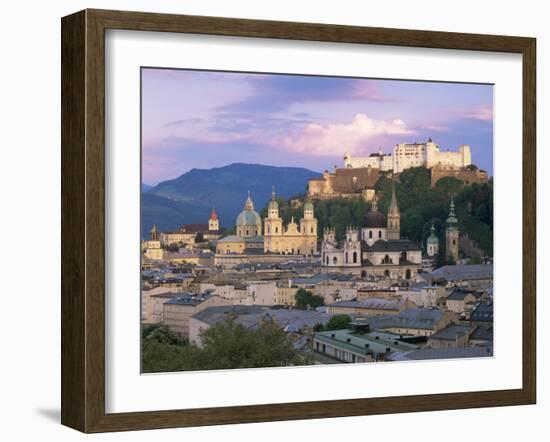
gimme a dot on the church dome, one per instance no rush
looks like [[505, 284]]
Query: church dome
[[433, 239], [375, 219], [248, 218], [273, 205], [308, 206]]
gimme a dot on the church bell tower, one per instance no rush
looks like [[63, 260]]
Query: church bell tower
[[452, 233]]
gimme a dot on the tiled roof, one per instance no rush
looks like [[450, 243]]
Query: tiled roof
[[441, 353], [462, 272], [397, 245]]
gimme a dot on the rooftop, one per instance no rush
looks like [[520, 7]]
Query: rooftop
[[189, 299], [370, 303], [449, 333], [375, 342], [441, 353], [461, 272]]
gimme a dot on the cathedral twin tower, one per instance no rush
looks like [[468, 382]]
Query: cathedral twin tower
[[293, 239]]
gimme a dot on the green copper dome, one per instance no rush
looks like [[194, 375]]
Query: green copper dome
[[248, 218], [433, 239]]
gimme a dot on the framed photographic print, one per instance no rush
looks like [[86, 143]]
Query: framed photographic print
[[267, 221]]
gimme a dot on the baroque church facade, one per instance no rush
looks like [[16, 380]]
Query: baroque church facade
[[377, 249], [292, 239]]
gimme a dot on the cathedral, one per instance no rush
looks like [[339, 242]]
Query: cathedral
[[377, 249], [292, 240]]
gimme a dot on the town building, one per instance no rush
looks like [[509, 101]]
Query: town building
[[177, 311], [188, 233], [351, 346], [468, 275], [423, 354], [412, 321], [460, 300], [370, 307]]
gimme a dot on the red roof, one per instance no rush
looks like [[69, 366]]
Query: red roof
[[213, 215]]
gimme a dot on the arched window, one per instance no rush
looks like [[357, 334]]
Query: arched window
[[247, 231], [408, 274], [276, 230], [386, 272], [312, 230], [346, 257], [268, 229], [327, 260], [334, 260], [354, 257], [370, 233], [380, 234]]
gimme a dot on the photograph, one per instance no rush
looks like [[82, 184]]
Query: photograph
[[292, 220]]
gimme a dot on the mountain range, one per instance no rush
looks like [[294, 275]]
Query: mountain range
[[191, 197]]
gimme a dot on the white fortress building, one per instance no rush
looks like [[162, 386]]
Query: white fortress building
[[406, 155]]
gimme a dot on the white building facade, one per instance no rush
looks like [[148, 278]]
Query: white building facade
[[407, 155]]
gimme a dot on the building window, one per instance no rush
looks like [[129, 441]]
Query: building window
[[380, 234], [346, 257], [312, 230], [276, 230], [354, 257], [334, 260], [370, 233]]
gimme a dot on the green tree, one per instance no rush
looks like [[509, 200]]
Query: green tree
[[305, 298], [337, 322], [162, 335], [225, 345]]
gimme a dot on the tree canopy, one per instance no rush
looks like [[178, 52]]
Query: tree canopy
[[304, 298], [225, 345]]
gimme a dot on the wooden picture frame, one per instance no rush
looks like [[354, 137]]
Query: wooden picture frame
[[83, 219]]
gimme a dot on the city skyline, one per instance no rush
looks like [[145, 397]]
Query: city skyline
[[206, 119]]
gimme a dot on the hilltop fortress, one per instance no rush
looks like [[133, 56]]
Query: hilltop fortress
[[359, 174], [408, 155]]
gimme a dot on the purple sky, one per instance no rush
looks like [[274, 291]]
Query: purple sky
[[204, 119]]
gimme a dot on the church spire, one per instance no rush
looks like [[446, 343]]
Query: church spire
[[394, 208], [451, 219], [249, 205], [394, 217]]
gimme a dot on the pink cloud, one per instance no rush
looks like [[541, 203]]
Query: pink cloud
[[336, 138], [370, 91], [482, 112]]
